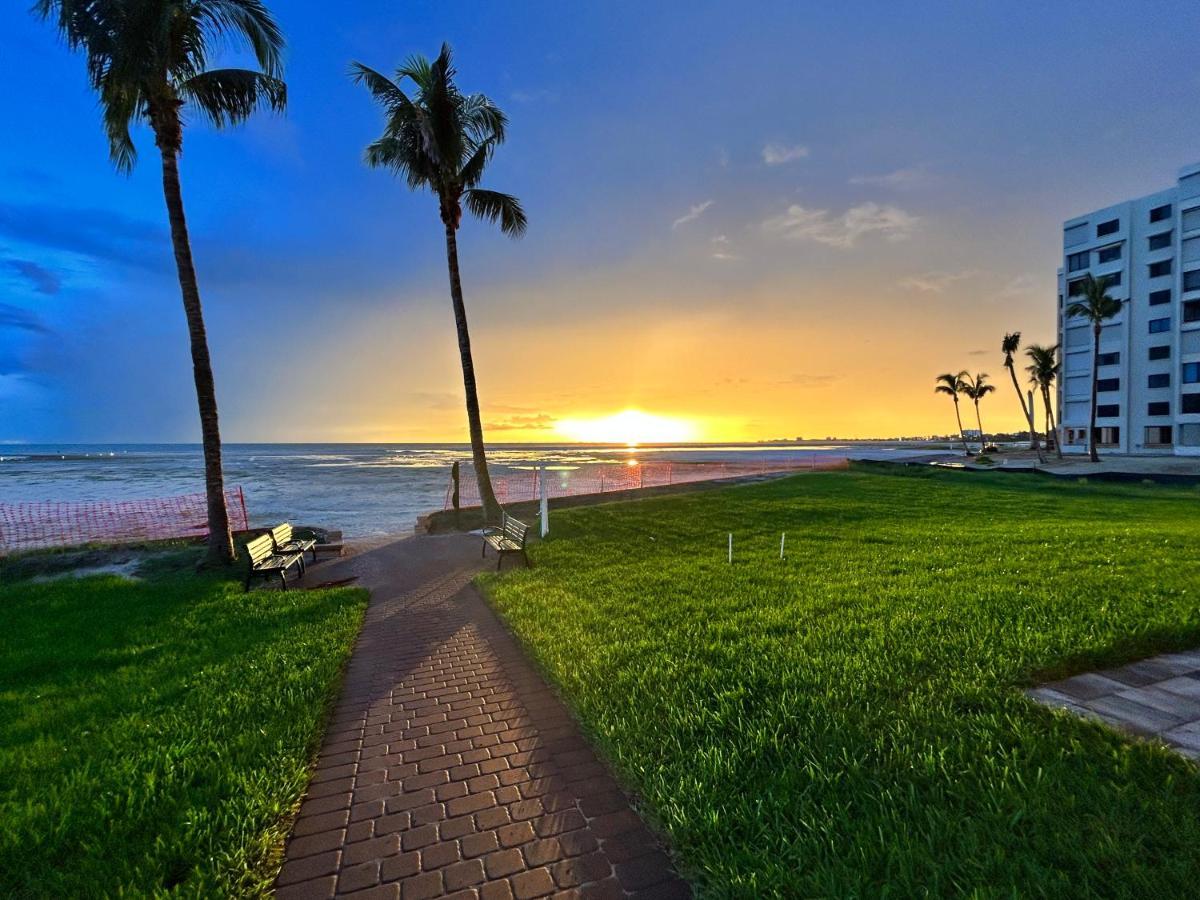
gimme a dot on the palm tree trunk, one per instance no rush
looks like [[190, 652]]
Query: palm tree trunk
[[1092, 437], [1033, 441], [1051, 422], [220, 541], [962, 435], [487, 496], [979, 422]]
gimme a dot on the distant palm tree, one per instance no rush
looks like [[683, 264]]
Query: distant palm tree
[[948, 383], [976, 388], [1009, 346], [1043, 370], [147, 60], [1096, 306], [442, 140]]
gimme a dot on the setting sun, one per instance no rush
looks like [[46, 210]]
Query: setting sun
[[630, 426]]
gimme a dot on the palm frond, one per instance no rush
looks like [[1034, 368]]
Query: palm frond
[[230, 96], [248, 19], [494, 206]]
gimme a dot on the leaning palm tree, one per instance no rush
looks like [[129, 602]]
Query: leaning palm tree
[[952, 384], [442, 140], [1043, 370], [1008, 347], [976, 389], [1096, 306], [148, 60]]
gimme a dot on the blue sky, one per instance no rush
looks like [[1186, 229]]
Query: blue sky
[[773, 219]]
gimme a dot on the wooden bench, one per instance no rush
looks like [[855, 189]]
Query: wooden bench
[[263, 560], [508, 538], [286, 542]]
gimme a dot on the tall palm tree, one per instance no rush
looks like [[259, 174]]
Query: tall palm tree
[[976, 388], [1096, 306], [148, 60], [1043, 370], [1009, 346], [442, 140], [951, 384]]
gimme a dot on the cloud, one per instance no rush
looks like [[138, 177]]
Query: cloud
[[799, 223], [40, 278], [692, 214], [539, 95], [979, 353], [98, 233], [538, 422], [722, 249], [935, 282], [776, 154], [900, 180], [810, 380], [20, 320]]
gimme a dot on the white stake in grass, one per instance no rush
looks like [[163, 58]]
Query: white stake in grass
[[782, 539], [731, 548]]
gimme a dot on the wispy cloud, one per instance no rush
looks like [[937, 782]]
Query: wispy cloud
[[539, 422], [909, 179], [776, 154], [20, 319], [537, 95], [799, 223], [936, 282], [722, 248], [39, 277], [978, 352], [692, 214]]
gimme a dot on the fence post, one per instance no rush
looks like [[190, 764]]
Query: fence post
[[245, 515], [545, 504]]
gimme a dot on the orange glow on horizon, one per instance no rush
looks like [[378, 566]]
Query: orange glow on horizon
[[630, 427]]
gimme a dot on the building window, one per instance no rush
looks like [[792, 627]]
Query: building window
[[1161, 352], [1111, 280], [1158, 435], [1158, 326], [1159, 380], [1109, 227], [1191, 219], [1109, 434], [1108, 385], [1191, 280], [1159, 269], [1191, 373], [1158, 298], [1108, 410], [1158, 408], [1108, 359], [1108, 254], [1191, 311], [1075, 288], [1159, 213], [1191, 403], [1077, 261], [1160, 241]]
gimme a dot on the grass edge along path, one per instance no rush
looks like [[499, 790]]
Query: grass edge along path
[[851, 718], [156, 735]]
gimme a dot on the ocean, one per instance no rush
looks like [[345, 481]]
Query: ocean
[[362, 489]]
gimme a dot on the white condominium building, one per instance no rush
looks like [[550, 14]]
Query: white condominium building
[[1149, 385]]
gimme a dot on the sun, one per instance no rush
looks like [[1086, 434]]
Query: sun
[[630, 427]]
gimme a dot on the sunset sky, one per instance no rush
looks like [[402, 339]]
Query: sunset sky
[[752, 220]]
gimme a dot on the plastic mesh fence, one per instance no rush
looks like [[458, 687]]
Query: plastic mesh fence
[[31, 526], [602, 478]]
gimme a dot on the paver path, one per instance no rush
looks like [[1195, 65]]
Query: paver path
[[450, 768], [1155, 698]]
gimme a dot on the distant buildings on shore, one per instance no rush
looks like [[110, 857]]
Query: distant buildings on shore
[[1148, 398]]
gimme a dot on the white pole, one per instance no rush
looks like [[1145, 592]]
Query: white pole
[[731, 548], [545, 507], [782, 538]]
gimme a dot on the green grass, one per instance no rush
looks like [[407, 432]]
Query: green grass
[[156, 735], [850, 721]]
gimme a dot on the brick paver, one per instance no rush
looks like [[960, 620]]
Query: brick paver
[[449, 768], [1156, 698]]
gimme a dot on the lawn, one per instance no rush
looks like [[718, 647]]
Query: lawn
[[849, 721], [155, 735]]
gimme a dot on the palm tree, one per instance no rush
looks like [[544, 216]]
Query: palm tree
[[1008, 347], [952, 384], [442, 140], [976, 388], [1096, 306], [147, 60], [1043, 369]]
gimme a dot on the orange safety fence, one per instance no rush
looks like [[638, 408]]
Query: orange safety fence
[[37, 525], [603, 478]]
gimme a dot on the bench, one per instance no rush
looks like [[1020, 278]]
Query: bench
[[286, 542], [508, 538], [263, 560]]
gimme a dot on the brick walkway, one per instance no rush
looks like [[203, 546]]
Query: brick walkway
[[450, 768], [1157, 698]]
